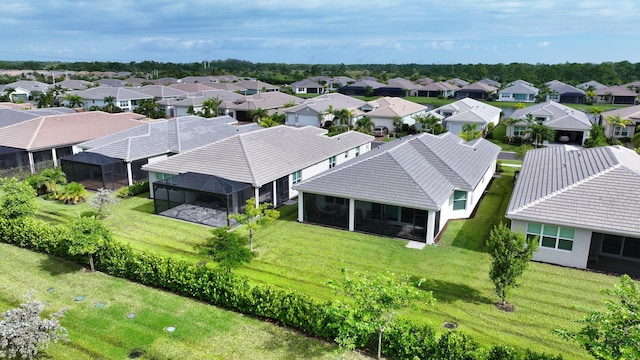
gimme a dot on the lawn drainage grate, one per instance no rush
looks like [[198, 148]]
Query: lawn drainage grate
[[50, 289], [131, 316], [79, 298], [100, 305]]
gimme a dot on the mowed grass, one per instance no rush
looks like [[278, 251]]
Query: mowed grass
[[304, 257], [202, 331]]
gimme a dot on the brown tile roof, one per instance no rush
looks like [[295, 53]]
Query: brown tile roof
[[47, 132]]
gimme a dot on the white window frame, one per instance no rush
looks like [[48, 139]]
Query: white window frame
[[296, 177], [558, 237]]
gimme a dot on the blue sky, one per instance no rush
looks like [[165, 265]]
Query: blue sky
[[322, 32]]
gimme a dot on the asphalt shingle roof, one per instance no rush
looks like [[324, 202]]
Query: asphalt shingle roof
[[596, 188], [419, 171]]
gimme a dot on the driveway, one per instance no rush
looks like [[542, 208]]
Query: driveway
[[507, 155]]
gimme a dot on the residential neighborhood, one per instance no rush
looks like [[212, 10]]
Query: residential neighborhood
[[385, 174]]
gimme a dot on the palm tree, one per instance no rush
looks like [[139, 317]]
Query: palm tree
[[344, 118], [428, 120], [365, 125], [590, 95], [257, 114], [73, 193], [268, 122], [150, 108], [397, 124], [615, 121], [329, 114], [595, 111], [539, 133], [210, 107], [470, 132], [74, 100], [109, 103], [53, 177], [510, 123]]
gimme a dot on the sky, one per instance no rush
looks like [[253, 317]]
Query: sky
[[322, 32]]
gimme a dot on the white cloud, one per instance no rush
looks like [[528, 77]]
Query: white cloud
[[543, 44]]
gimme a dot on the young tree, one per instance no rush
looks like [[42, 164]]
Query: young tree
[[429, 121], [257, 114], [615, 332], [102, 199], [23, 332], [210, 107], [17, 199], [86, 236], [73, 100], [510, 252], [521, 151], [397, 124], [539, 133], [227, 248], [73, 193], [109, 103], [255, 217], [374, 302], [365, 125], [596, 137]]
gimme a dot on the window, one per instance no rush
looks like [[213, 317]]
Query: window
[[123, 104], [519, 130], [296, 177], [459, 200], [357, 150], [621, 131], [552, 236], [160, 176], [346, 154], [332, 162], [540, 119]]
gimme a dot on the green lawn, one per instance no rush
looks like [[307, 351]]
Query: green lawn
[[303, 257], [202, 331]]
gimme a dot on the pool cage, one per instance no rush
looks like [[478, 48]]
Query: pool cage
[[96, 171]]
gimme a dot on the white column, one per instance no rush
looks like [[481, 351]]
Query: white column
[[352, 215], [256, 194], [431, 224], [129, 175], [300, 207], [32, 165], [54, 156], [274, 196]]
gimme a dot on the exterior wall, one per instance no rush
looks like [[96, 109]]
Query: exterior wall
[[302, 120], [577, 257], [512, 97], [453, 127]]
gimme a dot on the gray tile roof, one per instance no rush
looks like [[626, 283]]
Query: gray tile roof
[[167, 136], [120, 93], [439, 86], [595, 188], [616, 91], [418, 171], [11, 116], [262, 156], [320, 104], [629, 112], [469, 110], [390, 107], [161, 91], [559, 116], [520, 88]]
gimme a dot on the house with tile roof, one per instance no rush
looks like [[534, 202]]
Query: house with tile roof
[[409, 88], [421, 182], [254, 86], [467, 111], [591, 85], [307, 86], [477, 90], [570, 125], [582, 204], [437, 89], [384, 110], [617, 95], [272, 101], [314, 111], [631, 113], [181, 106], [125, 98], [563, 93], [458, 82], [40, 142], [362, 87], [25, 90], [518, 93], [115, 160], [264, 164]]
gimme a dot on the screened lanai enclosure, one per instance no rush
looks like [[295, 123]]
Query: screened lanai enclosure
[[13, 160], [96, 171], [369, 217], [200, 198]]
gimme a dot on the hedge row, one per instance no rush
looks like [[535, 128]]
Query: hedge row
[[405, 340]]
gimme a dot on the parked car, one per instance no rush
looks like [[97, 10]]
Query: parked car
[[381, 131]]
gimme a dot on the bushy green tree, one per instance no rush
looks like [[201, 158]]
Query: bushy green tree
[[102, 200], [54, 177], [255, 217], [510, 253], [613, 333], [86, 236], [470, 132], [596, 137], [227, 248], [17, 199], [24, 332], [371, 306], [521, 151]]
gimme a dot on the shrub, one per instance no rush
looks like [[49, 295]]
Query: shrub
[[133, 190]]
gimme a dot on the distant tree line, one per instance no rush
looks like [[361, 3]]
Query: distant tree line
[[609, 73]]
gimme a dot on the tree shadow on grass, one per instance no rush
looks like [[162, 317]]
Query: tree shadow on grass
[[448, 292], [56, 266], [293, 346]]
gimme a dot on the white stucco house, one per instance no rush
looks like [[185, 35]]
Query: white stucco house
[[384, 110], [408, 188], [583, 206], [467, 111], [569, 125]]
